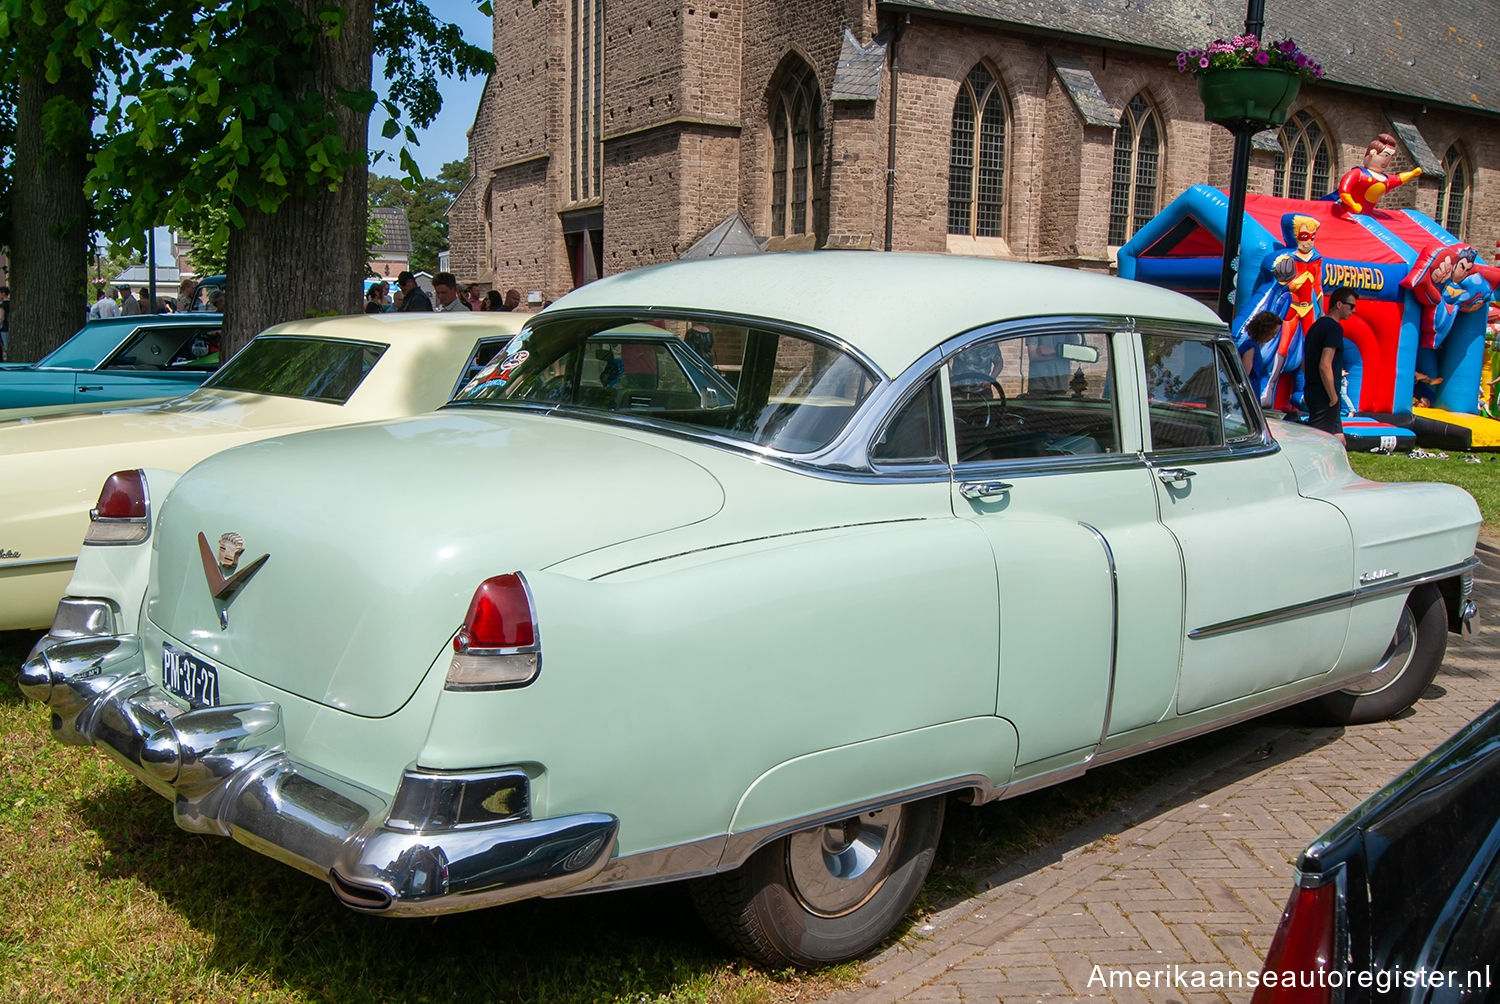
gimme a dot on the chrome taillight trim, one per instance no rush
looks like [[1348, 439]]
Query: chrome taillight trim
[[461, 650], [144, 522]]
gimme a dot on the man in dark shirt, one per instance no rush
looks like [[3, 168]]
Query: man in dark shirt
[[1323, 364], [412, 297]]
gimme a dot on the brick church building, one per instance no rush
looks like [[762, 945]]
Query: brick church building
[[617, 134]]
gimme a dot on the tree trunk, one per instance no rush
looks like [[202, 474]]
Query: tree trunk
[[307, 259], [49, 249]]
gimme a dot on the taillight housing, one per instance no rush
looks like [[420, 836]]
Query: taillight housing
[[123, 513], [1303, 950], [498, 644]]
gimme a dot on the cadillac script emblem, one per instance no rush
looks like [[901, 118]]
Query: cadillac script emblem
[[221, 569]]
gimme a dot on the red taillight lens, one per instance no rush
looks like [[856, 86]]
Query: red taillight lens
[[499, 616], [122, 497], [1301, 957], [123, 513]]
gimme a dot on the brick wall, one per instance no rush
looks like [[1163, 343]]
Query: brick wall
[[687, 140]]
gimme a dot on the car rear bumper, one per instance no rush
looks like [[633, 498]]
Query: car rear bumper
[[226, 771]]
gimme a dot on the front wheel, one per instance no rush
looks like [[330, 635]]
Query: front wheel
[[1403, 673], [828, 893]]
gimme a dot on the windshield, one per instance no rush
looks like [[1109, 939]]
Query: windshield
[[767, 387], [315, 369]]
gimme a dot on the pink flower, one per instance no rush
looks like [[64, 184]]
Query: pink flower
[[1262, 58], [1203, 62]]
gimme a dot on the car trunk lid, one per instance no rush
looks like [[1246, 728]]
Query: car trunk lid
[[378, 534]]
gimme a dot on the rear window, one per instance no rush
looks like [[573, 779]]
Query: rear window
[[314, 369], [773, 388]]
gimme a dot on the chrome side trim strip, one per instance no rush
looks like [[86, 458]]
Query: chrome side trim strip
[[1337, 599], [1114, 634], [34, 562]]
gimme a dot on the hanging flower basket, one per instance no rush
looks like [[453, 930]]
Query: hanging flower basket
[[1250, 94], [1245, 81]]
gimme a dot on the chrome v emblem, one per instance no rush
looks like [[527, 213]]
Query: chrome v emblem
[[221, 586]]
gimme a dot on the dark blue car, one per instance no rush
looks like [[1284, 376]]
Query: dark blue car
[[119, 359]]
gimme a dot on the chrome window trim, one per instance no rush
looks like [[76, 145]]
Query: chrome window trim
[[1334, 600]]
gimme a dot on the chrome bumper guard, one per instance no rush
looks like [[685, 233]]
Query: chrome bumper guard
[[226, 771]]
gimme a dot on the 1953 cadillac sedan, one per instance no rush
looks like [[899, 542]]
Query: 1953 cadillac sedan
[[596, 625]]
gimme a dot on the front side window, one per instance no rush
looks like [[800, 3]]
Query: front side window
[[314, 369], [1132, 201], [1192, 397], [790, 393], [169, 346], [1040, 395]]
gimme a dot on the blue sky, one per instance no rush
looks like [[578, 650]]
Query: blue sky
[[446, 138]]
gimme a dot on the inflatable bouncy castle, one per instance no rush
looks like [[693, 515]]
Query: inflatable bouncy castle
[[1417, 332]]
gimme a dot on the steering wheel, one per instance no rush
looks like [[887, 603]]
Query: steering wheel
[[972, 386]]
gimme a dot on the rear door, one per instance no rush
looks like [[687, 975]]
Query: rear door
[[1257, 557], [1046, 455]]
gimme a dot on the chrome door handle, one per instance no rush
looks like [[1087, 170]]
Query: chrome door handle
[[1174, 475], [983, 489], [91, 387]]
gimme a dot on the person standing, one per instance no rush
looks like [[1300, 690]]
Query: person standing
[[412, 297], [445, 288], [4, 322], [1323, 364], [104, 306], [129, 305]]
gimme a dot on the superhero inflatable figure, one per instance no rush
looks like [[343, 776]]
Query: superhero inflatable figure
[[1301, 273], [1360, 188]]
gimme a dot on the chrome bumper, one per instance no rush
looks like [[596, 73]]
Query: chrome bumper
[[227, 772]]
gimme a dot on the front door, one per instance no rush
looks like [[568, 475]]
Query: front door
[[1047, 465], [1258, 556]]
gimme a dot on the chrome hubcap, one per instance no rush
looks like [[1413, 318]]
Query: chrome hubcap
[[1397, 657], [836, 868]]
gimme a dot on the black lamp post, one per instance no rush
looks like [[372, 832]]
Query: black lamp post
[[1239, 174]]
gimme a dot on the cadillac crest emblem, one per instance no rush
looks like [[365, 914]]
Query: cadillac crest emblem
[[220, 568]]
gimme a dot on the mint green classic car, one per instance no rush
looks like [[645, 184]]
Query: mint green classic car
[[601, 623]]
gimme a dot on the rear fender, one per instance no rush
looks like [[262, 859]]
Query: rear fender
[[119, 573]]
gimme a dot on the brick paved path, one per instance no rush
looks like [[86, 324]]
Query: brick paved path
[[1201, 880]]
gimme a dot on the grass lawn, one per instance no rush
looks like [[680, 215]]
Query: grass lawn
[[1482, 480]]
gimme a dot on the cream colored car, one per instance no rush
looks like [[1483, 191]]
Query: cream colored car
[[304, 375]]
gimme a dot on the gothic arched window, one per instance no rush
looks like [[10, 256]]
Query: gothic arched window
[[1132, 200], [1304, 166], [1453, 193], [976, 158], [796, 151]]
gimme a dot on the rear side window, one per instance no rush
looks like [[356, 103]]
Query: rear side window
[[1033, 396], [914, 436], [314, 369]]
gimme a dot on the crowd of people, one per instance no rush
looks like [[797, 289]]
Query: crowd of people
[[409, 297], [121, 301]]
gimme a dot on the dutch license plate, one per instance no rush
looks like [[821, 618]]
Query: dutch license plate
[[189, 677]]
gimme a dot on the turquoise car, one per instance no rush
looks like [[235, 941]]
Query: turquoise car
[[597, 625], [118, 359]]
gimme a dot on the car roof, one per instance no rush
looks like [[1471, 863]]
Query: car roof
[[892, 307], [397, 328]]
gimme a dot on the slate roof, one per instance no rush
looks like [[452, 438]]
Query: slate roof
[[860, 69], [395, 232], [1445, 51], [731, 237]]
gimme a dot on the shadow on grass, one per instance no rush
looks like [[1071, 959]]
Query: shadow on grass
[[269, 919], [13, 648]]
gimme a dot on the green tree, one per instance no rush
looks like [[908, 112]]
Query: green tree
[[49, 67], [426, 201], [262, 106]]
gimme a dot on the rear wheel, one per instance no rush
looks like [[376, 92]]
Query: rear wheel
[[1403, 673], [828, 893]]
